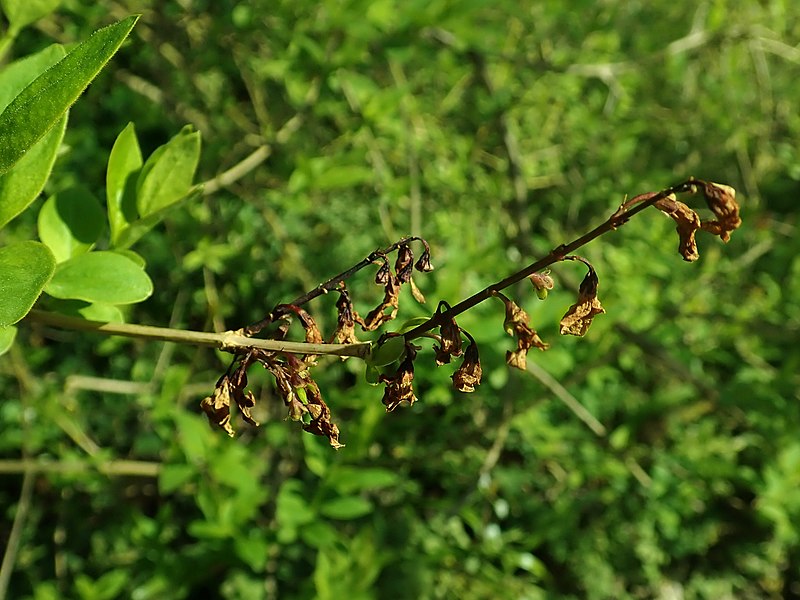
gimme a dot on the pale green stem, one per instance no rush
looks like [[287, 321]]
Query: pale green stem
[[227, 341]]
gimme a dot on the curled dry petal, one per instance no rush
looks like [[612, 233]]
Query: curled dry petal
[[451, 338], [382, 276], [404, 265], [321, 423], [347, 318], [721, 199], [391, 299], [424, 263], [516, 324], [468, 376], [301, 395], [579, 317], [399, 387], [688, 222], [218, 406]]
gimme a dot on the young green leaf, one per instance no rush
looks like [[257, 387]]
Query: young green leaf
[[411, 324], [70, 223], [25, 268], [20, 73], [7, 335], [22, 13], [167, 175], [98, 311], [124, 165], [388, 352], [41, 105], [21, 185], [105, 277]]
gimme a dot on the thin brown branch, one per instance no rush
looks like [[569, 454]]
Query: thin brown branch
[[619, 218], [330, 285]]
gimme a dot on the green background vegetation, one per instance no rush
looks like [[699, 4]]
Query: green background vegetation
[[496, 130]]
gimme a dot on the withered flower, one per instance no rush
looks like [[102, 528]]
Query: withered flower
[[579, 316], [399, 387], [404, 265], [468, 376], [423, 264], [382, 276], [231, 387], [301, 395], [346, 320], [321, 423], [721, 199], [391, 300], [517, 324], [450, 336], [688, 222], [542, 282], [218, 406]]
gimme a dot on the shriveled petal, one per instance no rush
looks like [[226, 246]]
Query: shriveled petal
[[688, 222]]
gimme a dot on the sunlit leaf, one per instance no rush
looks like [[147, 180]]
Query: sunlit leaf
[[42, 104], [25, 268], [105, 277]]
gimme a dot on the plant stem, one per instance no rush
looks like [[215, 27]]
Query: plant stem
[[227, 341], [625, 212], [237, 341]]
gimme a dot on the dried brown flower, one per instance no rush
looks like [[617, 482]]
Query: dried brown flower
[[399, 387], [721, 199], [391, 299], [346, 320], [424, 263], [404, 265], [382, 275], [517, 324], [688, 222], [468, 376], [450, 335], [579, 316], [230, 387], [218, 406]]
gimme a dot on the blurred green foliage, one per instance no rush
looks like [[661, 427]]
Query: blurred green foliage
[[496, 130]]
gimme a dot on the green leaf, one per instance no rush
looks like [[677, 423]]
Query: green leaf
[[70, 223], [25, 268], [43, 103], [7, 335], [98, 311], [24, 12], [411, 324], [167, 175], [100, 277], [21, 185], [20, 73], [124, 165], [349, 507], [391, 350], [372, 375]]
